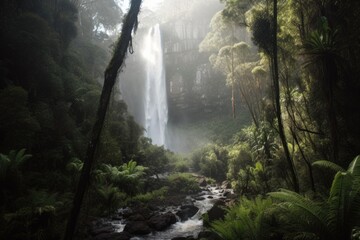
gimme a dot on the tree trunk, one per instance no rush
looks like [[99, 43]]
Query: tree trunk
[[275, 67], [111, 72]]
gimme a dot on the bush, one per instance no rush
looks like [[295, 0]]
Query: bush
[[184, 183]]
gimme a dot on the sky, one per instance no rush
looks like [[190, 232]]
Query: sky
[[151, 4]]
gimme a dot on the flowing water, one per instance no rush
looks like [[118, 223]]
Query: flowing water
[[191, 227], [156, 108]]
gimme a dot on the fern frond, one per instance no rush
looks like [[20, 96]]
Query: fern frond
[[329, 165]]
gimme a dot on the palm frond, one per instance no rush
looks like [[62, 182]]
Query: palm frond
[[328, 165], [308, 215]]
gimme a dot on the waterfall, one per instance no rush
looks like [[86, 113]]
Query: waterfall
[[156, 108]]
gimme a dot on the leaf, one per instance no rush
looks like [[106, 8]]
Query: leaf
[[329, 165]]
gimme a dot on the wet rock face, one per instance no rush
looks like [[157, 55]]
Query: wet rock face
[[202, 182], [113, 236], [187, 212], [163, 221], [137, 228], [217, 212], [208, 235], [102, 230]]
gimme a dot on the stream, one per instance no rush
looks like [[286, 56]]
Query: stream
[[191, 227]]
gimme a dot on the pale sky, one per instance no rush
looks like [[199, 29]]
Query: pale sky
[[152, 4]]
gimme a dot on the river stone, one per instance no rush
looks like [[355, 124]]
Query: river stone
[[229, 195], [208, 235], [226, 185], [202, 182], [183, 238], [199, 198], [187, 212], [217, 211], [104, 229], [144, 211], [163, 221], [137, 228], [113, 236], [136, 217]]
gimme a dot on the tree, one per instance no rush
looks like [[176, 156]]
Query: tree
[[265, 31], [111, 72]]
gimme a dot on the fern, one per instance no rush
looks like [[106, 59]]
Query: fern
[[244, 220], [328, 165], [332, 219]]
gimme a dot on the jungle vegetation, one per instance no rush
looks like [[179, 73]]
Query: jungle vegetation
[[295, 167]]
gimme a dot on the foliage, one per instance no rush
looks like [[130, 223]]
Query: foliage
[[183, 183], [245, 220], [110, 198], [334, 218], [211, 161], [37, 217], [127, 177], [158, 194]]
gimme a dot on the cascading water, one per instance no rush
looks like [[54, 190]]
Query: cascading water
[[156, 108]]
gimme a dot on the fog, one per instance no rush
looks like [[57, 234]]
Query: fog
[[183, 26]]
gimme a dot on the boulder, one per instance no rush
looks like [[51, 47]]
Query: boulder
[[203, 182], [199, 198], [187, 212], [226, 185], [100, 230], [217, 211], [136, 217], [229, 195], [161, 222], [183, 238], [137, 228], [208, 235], [114, 236], [144, 211]]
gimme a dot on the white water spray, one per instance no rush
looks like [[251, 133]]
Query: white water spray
[[156, 108]]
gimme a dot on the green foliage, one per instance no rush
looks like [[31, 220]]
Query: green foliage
[[158, 194], [37, 216], [211, 161], [334, 218], [110, 197], [328, 165], [245, 220], [75, 165], [262, 29], [183, 183], [153, 157], [17, 124], [127, 177]]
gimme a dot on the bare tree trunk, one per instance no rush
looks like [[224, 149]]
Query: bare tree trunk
[[275, 67], [111, 72]]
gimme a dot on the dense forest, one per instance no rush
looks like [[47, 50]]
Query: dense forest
[[282, 165]]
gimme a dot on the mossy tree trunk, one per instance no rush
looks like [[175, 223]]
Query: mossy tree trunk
[[111, 73]]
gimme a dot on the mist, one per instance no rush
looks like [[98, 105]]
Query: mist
[[192, 91]]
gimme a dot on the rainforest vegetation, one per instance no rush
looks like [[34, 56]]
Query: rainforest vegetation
[[293, 164]]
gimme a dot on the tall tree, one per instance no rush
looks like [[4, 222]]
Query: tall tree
[[111, 73], [275, 71]]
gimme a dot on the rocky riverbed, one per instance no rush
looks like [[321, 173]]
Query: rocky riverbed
[[176, 218]]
